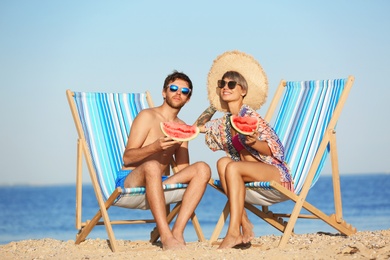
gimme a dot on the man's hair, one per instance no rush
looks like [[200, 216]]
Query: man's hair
[[177, 75], [237, 77]]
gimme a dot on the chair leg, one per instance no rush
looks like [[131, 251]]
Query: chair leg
[[220, 223], [198, 229], [84, 232], [293, 218], [268, 217], [335, 177]]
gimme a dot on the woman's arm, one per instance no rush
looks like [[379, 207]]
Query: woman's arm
[[260, 146], [205, 117]]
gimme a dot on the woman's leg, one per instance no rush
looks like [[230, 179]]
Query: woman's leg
[[247, 228], [236, 197], [236, 174], [221, 167]]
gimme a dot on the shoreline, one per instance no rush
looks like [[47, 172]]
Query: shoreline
[[363, 244]]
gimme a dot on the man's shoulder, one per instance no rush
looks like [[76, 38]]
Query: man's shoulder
[[147, 111], [148, 114]]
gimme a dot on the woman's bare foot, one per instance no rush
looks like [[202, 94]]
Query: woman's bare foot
[[247, 232], [230, 241], [172, 244]]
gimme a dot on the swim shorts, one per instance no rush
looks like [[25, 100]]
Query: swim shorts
[[121, 177]]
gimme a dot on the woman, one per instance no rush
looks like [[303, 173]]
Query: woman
[[256, 157]]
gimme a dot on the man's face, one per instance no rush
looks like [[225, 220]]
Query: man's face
[[177, 93]]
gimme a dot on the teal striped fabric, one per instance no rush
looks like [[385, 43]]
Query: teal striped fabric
[[142, 190], [306, 110], [304, 115], [253, 185], [106, 119]]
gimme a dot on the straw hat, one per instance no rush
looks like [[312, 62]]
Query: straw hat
[[249, 68]]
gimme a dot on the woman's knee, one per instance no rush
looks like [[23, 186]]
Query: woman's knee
[[232, 170], [221, 166]]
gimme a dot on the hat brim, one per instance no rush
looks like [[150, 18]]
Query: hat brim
[[249, 68]]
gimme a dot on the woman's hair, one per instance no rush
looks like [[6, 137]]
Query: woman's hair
[[237, 77]]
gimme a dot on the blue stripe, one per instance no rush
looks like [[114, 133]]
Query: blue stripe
[[305, 111], [304, 114], [106, 120]]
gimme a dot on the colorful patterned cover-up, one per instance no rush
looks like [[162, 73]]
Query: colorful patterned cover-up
[[218, 137]]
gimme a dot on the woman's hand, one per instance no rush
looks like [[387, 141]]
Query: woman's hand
[[260, 146], [251, 140]]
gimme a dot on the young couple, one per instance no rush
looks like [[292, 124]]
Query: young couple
[[237, 85]]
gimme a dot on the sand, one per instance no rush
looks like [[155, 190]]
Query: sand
[[362, 245]]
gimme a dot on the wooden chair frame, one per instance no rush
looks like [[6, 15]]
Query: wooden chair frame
[[86, 227]]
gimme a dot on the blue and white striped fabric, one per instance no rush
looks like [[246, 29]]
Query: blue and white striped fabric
[[303, 117], [306, 110], [106, 120], [258, 184]]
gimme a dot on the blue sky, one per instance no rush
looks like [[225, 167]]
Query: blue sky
[[47, 47]]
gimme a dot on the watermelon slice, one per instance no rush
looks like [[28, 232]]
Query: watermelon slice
[[178, 131], [244, 125]]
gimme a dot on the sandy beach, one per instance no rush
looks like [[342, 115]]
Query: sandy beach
[[362, 245]]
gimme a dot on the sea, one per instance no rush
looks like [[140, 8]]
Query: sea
[[37, 212]]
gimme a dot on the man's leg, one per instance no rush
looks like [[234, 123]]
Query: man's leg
[[149, 175], [197, 176]]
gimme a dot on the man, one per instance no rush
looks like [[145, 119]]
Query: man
[[148, 153]]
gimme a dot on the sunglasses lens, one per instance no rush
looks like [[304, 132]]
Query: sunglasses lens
[[185, 91], [232, 84], [173, 88], [221, 83]]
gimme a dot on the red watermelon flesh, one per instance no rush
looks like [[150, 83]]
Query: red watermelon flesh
[[245, 125], [178, 131]]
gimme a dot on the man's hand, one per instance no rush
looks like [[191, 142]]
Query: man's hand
[[164, 143]]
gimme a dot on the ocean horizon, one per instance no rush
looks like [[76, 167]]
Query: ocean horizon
[[48, 211]]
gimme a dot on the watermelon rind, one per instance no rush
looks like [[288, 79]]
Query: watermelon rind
[[241, 131], [180, 139]]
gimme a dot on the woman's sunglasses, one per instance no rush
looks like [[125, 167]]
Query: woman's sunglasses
[[230, 84], [184, 91]]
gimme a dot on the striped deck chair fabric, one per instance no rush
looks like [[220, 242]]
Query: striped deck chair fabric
[[106, 120], [103, 122], [305, 124]]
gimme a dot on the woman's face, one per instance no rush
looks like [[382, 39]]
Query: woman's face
[[230, 90]]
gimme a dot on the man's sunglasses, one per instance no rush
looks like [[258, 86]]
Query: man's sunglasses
[[184, 91], [230, 84]]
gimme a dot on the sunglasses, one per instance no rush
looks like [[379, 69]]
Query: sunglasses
[[184, 91], [230, 84]]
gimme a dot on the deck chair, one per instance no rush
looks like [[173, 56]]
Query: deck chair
[[103, 122], [305, 124]]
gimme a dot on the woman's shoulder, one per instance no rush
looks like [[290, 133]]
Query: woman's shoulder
[[248, 111]]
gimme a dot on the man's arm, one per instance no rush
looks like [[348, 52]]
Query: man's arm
[[182, 158], [135, 150], [205, 117]]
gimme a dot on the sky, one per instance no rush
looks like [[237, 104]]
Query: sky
[[47, 47]]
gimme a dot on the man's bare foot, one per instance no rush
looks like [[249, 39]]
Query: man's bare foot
[[180, 238], [172, 244], [230, 241], [247, 232]]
